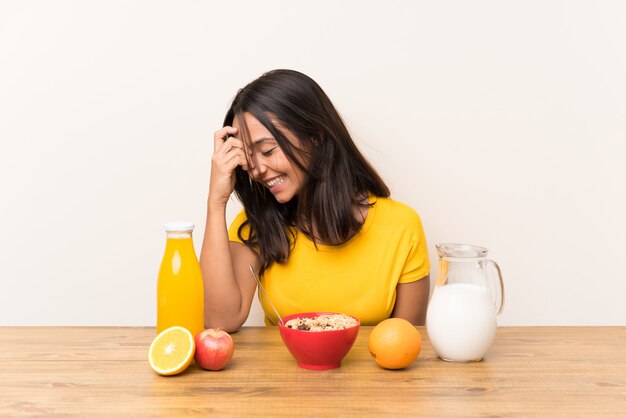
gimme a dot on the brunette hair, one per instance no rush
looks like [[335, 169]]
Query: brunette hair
[[338, 175]]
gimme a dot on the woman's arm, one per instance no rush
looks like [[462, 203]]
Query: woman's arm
[[228, 283], [412, 301]]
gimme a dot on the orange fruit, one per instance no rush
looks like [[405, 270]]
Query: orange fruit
[[394, 343], [171, 351]]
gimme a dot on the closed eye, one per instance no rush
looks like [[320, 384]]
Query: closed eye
[[269, 152]]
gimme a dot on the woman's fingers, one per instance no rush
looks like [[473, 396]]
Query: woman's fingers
[[229, 151], [234, 157], [221, 135], [232, 144]]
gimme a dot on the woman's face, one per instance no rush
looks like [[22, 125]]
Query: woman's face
[[268, 164]]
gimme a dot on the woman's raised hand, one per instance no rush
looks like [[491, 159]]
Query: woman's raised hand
[[228, 153]]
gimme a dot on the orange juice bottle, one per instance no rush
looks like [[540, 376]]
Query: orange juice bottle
[[180, 291]]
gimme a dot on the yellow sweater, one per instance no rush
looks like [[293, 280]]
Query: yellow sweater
[[359, 277]]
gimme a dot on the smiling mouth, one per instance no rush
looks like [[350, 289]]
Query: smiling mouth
[[273, 182]]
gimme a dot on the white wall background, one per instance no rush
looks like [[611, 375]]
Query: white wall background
[[502, 122]]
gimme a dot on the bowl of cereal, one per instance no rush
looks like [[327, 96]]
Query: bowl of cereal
[[319, 340]]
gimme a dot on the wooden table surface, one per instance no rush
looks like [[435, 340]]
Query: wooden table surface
[[96, 371]]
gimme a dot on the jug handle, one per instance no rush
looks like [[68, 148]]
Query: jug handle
[[501, 308]]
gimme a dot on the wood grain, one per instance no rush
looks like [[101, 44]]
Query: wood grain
[[530, 372]]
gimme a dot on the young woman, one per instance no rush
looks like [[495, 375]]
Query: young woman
[[317, 225]]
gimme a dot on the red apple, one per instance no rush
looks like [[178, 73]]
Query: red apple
[[214, 349]]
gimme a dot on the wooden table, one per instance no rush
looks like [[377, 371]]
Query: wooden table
[[530, 372]]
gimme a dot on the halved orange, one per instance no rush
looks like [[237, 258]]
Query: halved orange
[[171, 351]]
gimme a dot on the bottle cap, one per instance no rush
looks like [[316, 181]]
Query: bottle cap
[[178, 226]]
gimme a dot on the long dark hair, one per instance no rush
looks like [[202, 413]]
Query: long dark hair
[[338, 176]]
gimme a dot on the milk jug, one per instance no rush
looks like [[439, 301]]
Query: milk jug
[[466, 302]]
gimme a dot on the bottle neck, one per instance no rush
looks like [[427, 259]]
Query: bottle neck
[[179, 242], [178, 235]]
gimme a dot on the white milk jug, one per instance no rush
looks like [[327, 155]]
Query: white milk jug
[[462, 313]]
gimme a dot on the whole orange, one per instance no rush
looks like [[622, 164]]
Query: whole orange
[[395, 343]]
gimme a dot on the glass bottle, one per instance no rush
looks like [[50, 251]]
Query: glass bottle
[[180, 290]]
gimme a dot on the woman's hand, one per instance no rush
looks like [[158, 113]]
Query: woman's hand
[[228, 153]]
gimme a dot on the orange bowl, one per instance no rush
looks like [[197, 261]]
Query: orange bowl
[[318, 350]]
